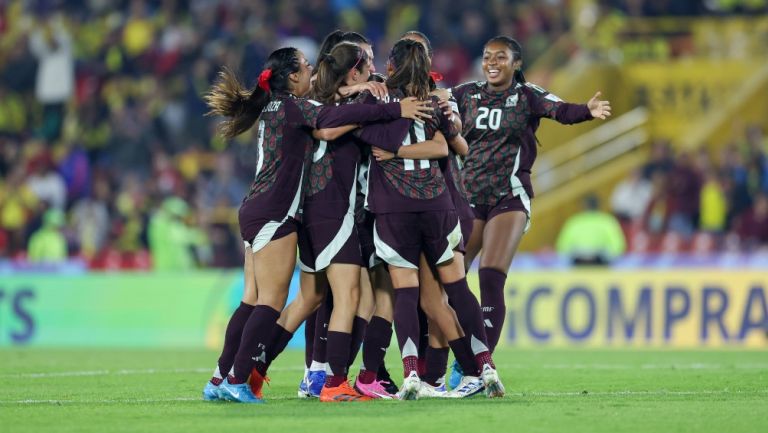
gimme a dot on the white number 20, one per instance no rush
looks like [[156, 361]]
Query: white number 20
[[493, 117]]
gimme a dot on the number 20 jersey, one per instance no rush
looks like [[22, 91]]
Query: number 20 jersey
[[500, 129]]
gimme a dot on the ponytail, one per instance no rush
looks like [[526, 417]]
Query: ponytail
[[230, 99], [333, 68], [409, 60]]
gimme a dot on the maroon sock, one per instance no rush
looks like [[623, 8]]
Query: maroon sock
[[376, 341], [436, 363], [338, 355], [407, 326], [463, 354], [232, 338], [309, 338], [423, 333], [280, 340], [467, 310], [492, 301], [320, 353], [483, 358], [358, 334], [257, 335]]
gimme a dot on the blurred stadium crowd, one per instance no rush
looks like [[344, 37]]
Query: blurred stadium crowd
[[105, 153]]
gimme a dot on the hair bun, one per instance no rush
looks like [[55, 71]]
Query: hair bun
[[330, 59]]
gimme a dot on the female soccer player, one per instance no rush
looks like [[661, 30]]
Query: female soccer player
[[415, 214], [267, 215], [500, 118]]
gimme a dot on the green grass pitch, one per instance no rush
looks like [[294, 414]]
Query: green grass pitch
[[548, 391]]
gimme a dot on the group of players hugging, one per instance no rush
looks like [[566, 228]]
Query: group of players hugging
[[389, 186]]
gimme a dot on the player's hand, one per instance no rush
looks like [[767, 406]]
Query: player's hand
[[598, 108], [442, 94], [379, 90], [412, 108], [445, 107], [381, 154]]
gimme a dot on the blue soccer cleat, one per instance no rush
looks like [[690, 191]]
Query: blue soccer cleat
[[240, 392], [312, 384], [456, 374], [211, 392]]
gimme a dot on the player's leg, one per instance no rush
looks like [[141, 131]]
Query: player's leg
[[501, 238], [273, 268], [234, 329], [345, 285], [406, 319], [365, 310], [377, 338]]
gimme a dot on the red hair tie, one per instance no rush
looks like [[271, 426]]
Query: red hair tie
[[436, 76], [264, 79]]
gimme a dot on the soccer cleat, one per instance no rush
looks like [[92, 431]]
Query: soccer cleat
[[493, 386], [312, 384], [211, 392], [469, 386], [456, 374], [386, 380], [240, 393], [374, 389], [429, 391], [341, 393], [256, 382], [410, 388]]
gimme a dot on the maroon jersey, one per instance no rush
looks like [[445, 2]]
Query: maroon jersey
[[332, 189], [405, 185], [500, 129], [451, 168], [285, 145]]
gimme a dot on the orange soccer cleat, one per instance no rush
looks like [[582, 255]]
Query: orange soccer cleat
[[341, 393], [256, 382]]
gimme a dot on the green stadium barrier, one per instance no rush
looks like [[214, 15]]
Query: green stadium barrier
[[589, 308]]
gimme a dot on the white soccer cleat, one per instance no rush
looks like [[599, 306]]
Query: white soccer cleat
[[429, 391], [410, 388], [469, 386], [493, 386]]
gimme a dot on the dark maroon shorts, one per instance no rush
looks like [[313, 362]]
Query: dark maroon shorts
[[400, 238], [257, 231], [467, 224], [509, 203], [326, 242]]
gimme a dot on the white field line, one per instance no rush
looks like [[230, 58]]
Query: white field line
[[627, 393], [501, 367]]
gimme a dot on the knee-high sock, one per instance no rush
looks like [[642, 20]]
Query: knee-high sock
[[468, 311], [320, 354], [435, 364], [232, 338], [407, 326], [280, 339], [377, 338], [257, 335], [309, 338], [492, 302], [463, 354], [358, 334], [338, 355]]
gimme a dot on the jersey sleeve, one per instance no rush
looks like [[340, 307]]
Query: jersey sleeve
[[444, 123], [302, 113], [351, 114], [457, 95], [545, 104], [385, 135]]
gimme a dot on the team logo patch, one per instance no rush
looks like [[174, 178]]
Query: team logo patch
[[511, 101]]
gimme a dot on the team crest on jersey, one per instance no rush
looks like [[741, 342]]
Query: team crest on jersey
[[475, 96], [511, 101]]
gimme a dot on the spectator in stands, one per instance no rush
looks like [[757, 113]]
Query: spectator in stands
[[713, 204], [170, 239], [90, 218], [591, 237], [661, 159], [752, 226], [684, 193], [656, 215], [51, 43], [17, 206], [48, 245], [630, 197], [45, 182]]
